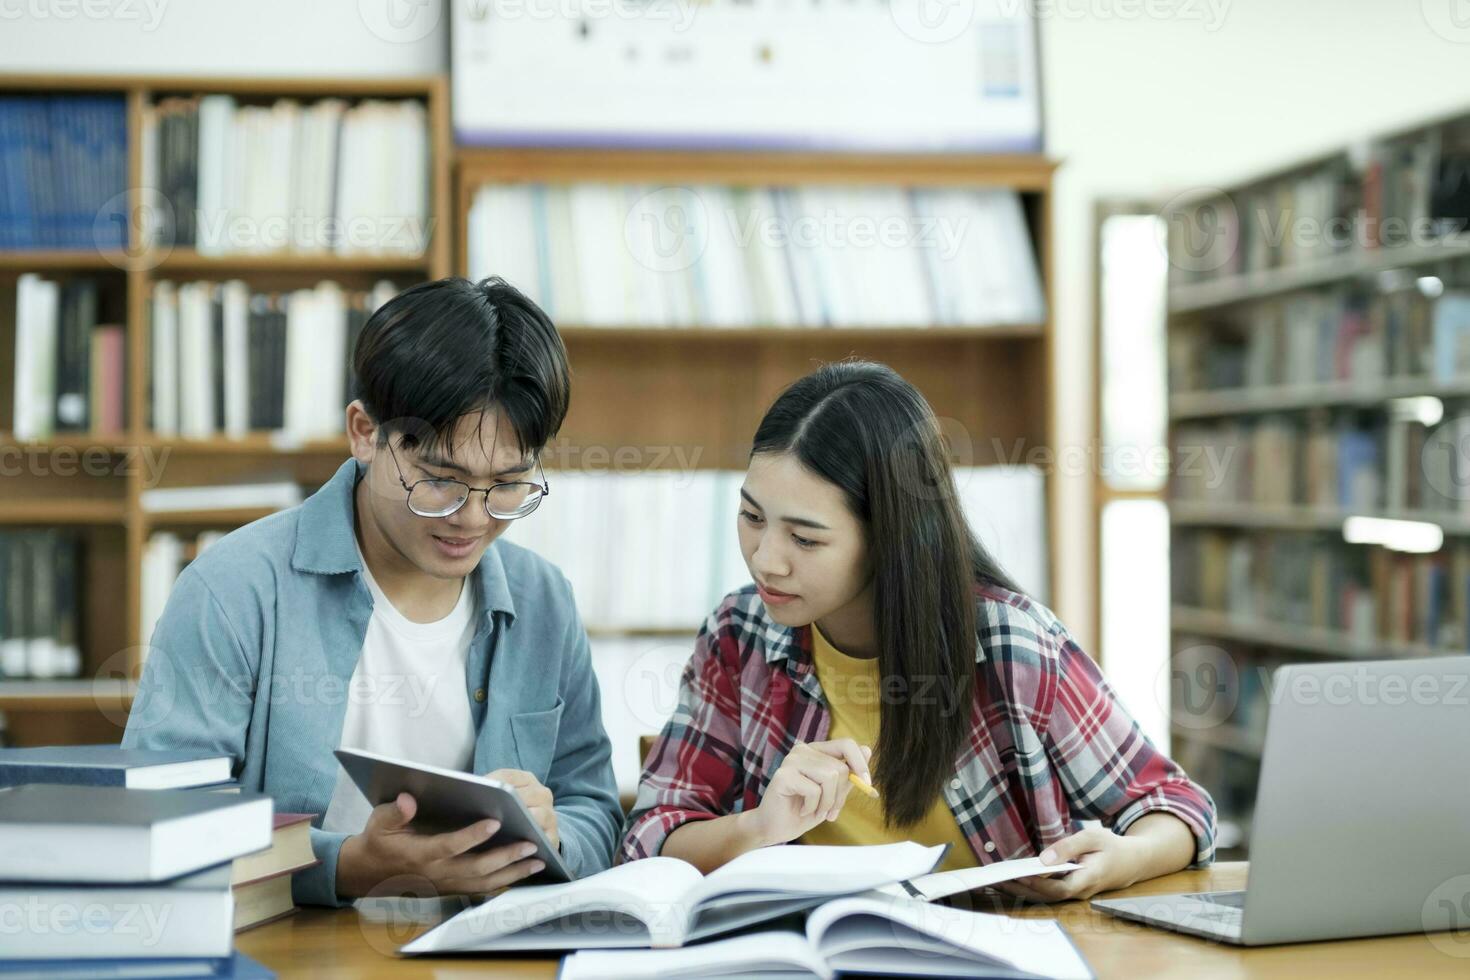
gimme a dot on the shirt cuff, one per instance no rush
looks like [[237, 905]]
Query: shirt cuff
[[318, 885], [1201, 826]]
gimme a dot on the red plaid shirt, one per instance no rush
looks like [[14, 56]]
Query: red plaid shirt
[[1049, 744]]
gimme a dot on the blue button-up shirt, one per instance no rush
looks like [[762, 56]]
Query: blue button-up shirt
[[255, 650]]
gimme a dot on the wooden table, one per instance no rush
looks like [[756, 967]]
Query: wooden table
[[329, 943]]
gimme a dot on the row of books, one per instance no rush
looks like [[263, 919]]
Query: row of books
[[715, 256], [323, 177], [41, 589], [70, 365], [63, 167], [228, 360], [1404, 191], [1315, 580], [1346, 460], [161, 835], [1320, 336], [658, 549]]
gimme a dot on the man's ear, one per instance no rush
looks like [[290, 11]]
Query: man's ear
[[362, 433]]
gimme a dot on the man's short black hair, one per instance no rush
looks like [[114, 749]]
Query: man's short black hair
[[441, 350]]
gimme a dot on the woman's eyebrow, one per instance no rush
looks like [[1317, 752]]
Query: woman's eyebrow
[[798, 521]]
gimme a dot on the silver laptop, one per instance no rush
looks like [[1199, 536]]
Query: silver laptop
[[1362, 819]]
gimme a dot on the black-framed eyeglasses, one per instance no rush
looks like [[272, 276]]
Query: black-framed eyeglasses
[[503, 501]]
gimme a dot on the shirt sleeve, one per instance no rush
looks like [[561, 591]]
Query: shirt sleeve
[[1109, 769], [693, 770]]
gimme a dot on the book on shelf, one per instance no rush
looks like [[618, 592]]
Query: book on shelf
[[326, 177], [1399, 191], [63, 169], [278, 495], [101, 834], [1368, 595], [228, 361], [165, 556], [111, 765], [662, 901], [41, 585], [867, 933], [715, 256], [69, 367]]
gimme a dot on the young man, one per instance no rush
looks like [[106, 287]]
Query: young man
[[382, 614]]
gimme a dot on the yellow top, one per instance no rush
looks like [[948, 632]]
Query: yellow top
[[853, 692]]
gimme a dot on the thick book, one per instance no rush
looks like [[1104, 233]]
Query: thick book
[[103, 834], [868, 933], [289, 850], [236, 966], [192, 916], [662, 901], [111, 765]]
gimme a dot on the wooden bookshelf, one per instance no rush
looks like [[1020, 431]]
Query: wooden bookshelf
[[107, 508], [704, 388], [1387, 176]]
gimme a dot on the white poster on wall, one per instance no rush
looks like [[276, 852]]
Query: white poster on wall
[[917, 75]]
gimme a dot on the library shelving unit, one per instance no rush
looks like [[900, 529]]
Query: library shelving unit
[[1309, 333], [104, 502], [701, 389]]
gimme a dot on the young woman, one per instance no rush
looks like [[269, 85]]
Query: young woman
[[881, 640]]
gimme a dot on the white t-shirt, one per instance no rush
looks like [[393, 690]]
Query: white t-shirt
[[407, 697]]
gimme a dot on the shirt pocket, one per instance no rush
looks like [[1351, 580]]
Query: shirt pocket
[[535, 737]]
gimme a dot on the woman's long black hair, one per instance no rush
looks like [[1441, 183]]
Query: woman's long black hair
[[863, 428]]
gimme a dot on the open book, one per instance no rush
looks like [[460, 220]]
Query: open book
[[662, 901], [869, 933], [943, 884]]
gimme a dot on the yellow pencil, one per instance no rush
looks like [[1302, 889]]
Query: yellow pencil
[[862, 784]]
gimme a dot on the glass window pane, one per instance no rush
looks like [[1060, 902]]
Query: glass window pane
[[1134, 402]]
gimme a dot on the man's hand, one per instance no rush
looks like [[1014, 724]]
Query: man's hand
[[386, 849], [536, 797]]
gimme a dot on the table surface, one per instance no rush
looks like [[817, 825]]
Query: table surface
[[330, 943]]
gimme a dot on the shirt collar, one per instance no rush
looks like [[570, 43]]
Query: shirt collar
[[792, 645], [326, 542]]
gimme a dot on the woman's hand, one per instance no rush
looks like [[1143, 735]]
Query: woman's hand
[[1156, 844], [811, 786]]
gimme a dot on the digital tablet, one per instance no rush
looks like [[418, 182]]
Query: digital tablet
[[449, 800]]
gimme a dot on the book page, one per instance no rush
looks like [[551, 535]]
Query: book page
[[945, 883], [805, 869], [770, 954], [651, 891], [848, 931]]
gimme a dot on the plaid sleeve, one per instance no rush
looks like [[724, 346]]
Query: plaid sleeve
[[1109, 769], [693, 769]]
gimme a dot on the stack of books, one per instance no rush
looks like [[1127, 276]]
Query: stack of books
[[226, 360], [40, 599], [65, 162], [319, 178], [714, 256], [140, 862], [69, 362]]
